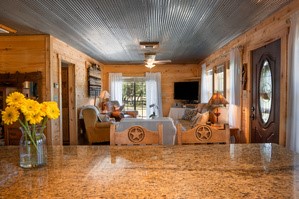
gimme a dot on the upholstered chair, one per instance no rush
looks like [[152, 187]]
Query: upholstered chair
[[203, 134], [96, 130], [136, 135]]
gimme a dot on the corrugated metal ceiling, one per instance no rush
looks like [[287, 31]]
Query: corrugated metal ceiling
[[110, 30]]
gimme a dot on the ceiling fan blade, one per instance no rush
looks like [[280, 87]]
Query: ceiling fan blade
[[162, 61]]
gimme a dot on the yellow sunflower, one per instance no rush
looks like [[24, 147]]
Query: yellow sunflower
[[52, 110], [10, 115], [15, 99], [30, 107], [43, 109], [34, 118]]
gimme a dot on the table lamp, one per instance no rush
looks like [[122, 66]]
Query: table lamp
[[217, 100], [104, 96]]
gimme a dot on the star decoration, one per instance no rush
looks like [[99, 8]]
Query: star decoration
[[203, 133], [136, 134]]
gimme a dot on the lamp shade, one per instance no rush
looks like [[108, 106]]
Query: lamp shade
[[104, 94], [217, 99]]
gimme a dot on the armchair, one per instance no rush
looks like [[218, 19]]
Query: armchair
[[96, 131]]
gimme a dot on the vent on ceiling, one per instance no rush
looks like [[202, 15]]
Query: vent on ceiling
[[149, 45]]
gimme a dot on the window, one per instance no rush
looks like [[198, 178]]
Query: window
[[134, 94], [216, 80]]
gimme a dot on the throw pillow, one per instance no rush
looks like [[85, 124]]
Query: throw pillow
[[118, 108], [117, 114], [195, 119], [203, 119], [205, 108], [189, 113], [103, 118], [200, 107], [121, 107]]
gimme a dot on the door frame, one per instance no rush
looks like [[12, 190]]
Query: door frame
[[283, 85], [72, 101]]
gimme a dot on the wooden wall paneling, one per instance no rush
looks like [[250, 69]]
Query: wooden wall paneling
[[271, 29], [169, 74], [72, 105], [283, 87], [79, 91], [26, 54], [47, 87]]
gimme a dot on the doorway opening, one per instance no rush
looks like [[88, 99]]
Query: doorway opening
[[68, 124]]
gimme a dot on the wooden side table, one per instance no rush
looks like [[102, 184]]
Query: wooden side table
[[234, 131]]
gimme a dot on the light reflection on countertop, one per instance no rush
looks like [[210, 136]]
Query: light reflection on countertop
[[193, 171]]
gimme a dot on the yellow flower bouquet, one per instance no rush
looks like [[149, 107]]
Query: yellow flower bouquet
[[33, 117]]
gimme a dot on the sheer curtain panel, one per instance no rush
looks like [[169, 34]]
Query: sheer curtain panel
[[203, 90], [116, 84], [235, 88], [153, 93], [292, 125]]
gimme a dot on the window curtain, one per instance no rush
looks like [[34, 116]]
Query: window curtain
[[204, 91], [235, 88], [153, 93], [209, 83], [116, 84], [292, 125]]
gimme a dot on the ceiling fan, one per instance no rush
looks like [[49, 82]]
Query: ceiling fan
[[150, 55], [150, 60]]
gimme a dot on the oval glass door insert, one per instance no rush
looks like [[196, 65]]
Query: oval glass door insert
[[265, 93]]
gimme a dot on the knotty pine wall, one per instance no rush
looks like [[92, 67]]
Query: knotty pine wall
[[25, 54], [273, 28], [78, 63], [45, 53], [170, 73]]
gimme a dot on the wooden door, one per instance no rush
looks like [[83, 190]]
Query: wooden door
[[265, 94], [65, 105]]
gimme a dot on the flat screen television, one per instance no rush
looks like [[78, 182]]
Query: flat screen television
[[186, 90]]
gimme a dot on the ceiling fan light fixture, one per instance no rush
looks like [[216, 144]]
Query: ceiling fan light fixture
[[150, 65]]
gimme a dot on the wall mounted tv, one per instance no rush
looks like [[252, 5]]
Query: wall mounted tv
[[186, 90]]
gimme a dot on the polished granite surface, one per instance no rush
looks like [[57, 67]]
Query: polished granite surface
[[197, 171]]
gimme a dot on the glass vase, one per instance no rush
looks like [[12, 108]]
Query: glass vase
[[33, 148]]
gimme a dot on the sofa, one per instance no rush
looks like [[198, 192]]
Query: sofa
[[202, 114]]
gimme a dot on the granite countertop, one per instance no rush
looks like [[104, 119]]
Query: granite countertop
[[192, 171]]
